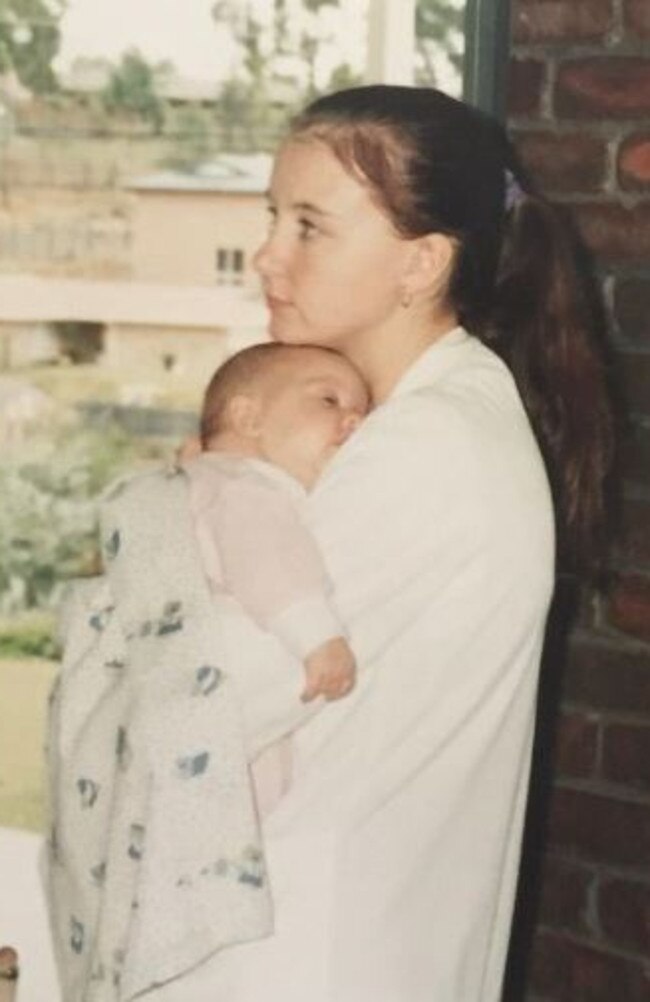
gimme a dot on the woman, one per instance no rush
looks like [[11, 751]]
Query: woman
[[401, 235]]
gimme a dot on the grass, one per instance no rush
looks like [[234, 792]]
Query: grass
[[29, 634], [24, 687]]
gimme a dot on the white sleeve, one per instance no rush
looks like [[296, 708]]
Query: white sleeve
[[271, 563]]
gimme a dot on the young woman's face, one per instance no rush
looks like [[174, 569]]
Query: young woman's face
[[332, 263]]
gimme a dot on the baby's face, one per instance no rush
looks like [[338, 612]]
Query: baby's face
[[309, 410]]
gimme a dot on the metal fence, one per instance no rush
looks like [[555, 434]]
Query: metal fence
[[59, 242], [60, 172], [140, 421]]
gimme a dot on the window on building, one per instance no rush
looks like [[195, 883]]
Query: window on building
[[229, 264]]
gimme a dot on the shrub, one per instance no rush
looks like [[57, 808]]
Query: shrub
[[48, 518]]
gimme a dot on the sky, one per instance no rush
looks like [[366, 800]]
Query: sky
[[180, 30]]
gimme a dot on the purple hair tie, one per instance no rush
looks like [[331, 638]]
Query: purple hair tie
[[514, 192]]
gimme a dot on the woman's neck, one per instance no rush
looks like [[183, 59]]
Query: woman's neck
[[385, 355]]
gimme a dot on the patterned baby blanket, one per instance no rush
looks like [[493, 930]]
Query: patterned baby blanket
[[154, 860]]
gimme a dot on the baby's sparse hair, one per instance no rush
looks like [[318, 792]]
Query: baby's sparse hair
[[243, 372]]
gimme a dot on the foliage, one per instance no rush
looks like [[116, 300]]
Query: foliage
[[439, 25], [29, 42], [80, 343], [315, 5], [192, 137], [131, 90], [342, 77], [48, 518], [30, 635]]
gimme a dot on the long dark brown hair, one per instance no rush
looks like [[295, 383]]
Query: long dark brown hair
[[435, 164]]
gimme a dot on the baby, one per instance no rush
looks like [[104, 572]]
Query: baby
[[272, 417]]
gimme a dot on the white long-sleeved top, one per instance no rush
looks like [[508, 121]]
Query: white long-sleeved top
[[394, 857]]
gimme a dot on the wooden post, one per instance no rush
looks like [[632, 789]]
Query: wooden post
[[391, 41], [8, 973]]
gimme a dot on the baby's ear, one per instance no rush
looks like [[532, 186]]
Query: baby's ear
[[245, 415]]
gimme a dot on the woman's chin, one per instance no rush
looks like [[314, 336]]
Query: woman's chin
[[285, 333]]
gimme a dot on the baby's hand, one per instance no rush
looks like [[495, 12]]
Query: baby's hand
[[330, 669], [190, 448]]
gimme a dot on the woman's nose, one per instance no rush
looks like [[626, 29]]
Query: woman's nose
[[265, 259], [260, 258]]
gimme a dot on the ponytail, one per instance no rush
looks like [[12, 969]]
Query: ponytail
[[543, 328]]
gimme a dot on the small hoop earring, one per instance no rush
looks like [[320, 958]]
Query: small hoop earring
[[406, 300]]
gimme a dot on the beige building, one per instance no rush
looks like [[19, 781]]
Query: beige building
[[144, 328], [201, 227]]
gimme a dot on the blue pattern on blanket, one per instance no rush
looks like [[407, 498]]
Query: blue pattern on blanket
[[189, 766], [76, 934], [112, 545], [207, 679], [88, 792]]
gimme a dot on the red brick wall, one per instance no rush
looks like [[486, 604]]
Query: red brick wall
[[579, 107]]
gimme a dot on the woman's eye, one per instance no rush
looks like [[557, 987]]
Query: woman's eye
[[271, 217], [306, 229], [330, 401]]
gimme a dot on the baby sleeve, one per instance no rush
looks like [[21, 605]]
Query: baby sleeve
[[271, 564]]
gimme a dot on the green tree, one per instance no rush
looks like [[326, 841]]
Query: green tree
[[131, 90], [342, 77], [438, 27], [192, 138], [29, 41], [315, 5]]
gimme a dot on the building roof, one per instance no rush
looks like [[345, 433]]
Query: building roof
[[230, 172], [31, 299]]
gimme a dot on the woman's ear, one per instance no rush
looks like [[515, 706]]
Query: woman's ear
[[430, 264], [244, 415]]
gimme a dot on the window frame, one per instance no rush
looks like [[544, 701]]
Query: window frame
[[485, 61]]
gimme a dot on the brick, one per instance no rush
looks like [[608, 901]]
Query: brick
[[557, 21], [632, 371], [566, 971], [624, 909], [635, 459], [629, 606], [576, 745], [636, 17], [599, 829], [526, 78], [613, 232], [626, 754], [597, 88], [551, 966], [634, 163], [632, 309], [607, 677], [564, 163], [564, 894], [634, 544]]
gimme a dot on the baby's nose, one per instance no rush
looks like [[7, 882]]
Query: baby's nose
[[349, 423]]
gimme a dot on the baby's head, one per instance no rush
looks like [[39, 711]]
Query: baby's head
[[292, 405]]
